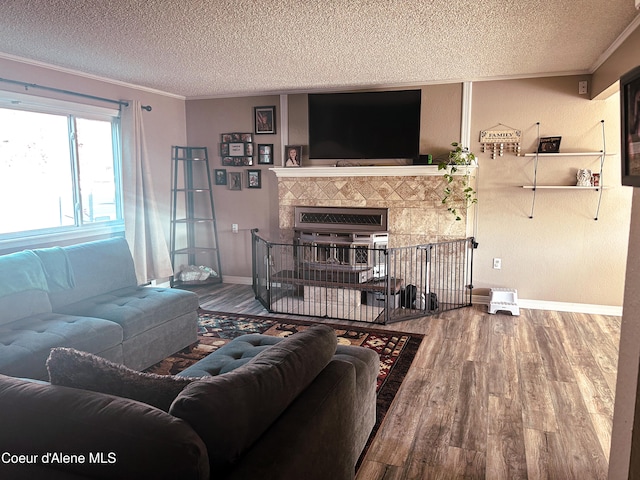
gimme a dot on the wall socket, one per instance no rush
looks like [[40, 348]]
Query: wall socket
[[234, 228], [497, 263], [583, 87]]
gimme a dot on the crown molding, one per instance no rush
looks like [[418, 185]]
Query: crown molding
[[49, 66]]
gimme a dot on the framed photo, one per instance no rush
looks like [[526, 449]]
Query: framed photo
[[236, 149], [264, 120], [630, 127], [292, 155], [549, 145], [235, 181], [254, 179], [265, 153], [221, 176], [237, 161]]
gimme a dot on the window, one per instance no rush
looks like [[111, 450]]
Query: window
[[59, 166]]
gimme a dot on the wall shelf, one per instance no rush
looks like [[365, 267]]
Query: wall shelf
[[601, 154], [560, 187], [567, 154]]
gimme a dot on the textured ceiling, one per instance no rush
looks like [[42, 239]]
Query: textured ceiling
[[203, 48]]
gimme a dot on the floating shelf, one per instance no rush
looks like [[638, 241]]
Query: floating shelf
[[560, 187], [567, 154]]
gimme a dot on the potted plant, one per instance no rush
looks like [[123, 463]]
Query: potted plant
[[459, 157]]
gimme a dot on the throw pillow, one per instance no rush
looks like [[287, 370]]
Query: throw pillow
[[231, 411], [72, 368]]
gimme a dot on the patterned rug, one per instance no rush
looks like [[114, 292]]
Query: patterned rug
[[215, 329]]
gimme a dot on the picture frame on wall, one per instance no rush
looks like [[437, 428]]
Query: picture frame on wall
[[235, 181], [236, 149], [237, 161], [630, 127], [220, 176], [264, 120], [292, 155], [265, 153], [254, 179]]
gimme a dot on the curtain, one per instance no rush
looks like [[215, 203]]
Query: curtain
[[143, 229]]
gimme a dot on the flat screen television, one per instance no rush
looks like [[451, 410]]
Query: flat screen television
[[630, 127], [365, 125]]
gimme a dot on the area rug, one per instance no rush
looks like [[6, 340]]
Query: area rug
[[215, 329]]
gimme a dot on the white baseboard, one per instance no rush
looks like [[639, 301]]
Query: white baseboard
[[522, 303], [559, 306]]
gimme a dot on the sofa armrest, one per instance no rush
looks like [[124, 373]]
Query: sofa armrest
[[111, 437], [313, 438]]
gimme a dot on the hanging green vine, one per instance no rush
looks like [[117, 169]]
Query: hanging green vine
[[460, 156]]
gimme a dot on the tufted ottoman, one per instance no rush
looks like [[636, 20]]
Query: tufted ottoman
[[365, 362]]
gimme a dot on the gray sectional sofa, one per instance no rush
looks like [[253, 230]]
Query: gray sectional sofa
[[86, 297], [258, 408]]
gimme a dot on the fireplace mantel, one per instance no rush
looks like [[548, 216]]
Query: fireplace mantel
[[376, 171]]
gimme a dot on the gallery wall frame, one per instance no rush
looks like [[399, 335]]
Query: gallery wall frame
[[220, 174], [264, 120], [235, 181], [265, 153], [254, 179], [236, 149]]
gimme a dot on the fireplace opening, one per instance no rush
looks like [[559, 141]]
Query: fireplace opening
[[347, 239]]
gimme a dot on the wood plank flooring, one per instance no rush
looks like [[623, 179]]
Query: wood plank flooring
[[491, 396]]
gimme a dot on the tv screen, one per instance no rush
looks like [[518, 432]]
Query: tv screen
[[365, 125], [630, 127]]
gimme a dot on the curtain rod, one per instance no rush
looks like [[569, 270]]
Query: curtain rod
[[69, 92]]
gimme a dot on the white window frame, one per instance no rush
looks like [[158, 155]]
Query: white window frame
[[78, 232]]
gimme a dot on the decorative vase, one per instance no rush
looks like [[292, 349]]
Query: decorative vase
[[584, 177]]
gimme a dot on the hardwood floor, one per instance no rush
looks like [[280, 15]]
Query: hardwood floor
[[491, 396]]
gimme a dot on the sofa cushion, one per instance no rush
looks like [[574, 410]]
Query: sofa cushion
[[15, 306], [136, 440], [72, 368], [98, 267], [57, 268], [23, 287], [136, 309], [231, 356], [230, 411], [25, 344]]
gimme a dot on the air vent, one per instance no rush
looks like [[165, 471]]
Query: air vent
[[340, 219]]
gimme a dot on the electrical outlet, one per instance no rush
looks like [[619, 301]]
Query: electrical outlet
[[497, 263], [583, 87], [234, 228]]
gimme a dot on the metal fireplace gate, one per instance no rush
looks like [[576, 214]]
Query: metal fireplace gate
[[375, 285]]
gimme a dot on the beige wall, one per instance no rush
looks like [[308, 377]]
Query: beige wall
[[562, 254], [165, 125], [249, 208]]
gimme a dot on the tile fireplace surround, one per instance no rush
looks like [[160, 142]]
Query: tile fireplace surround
[[412, 194]]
